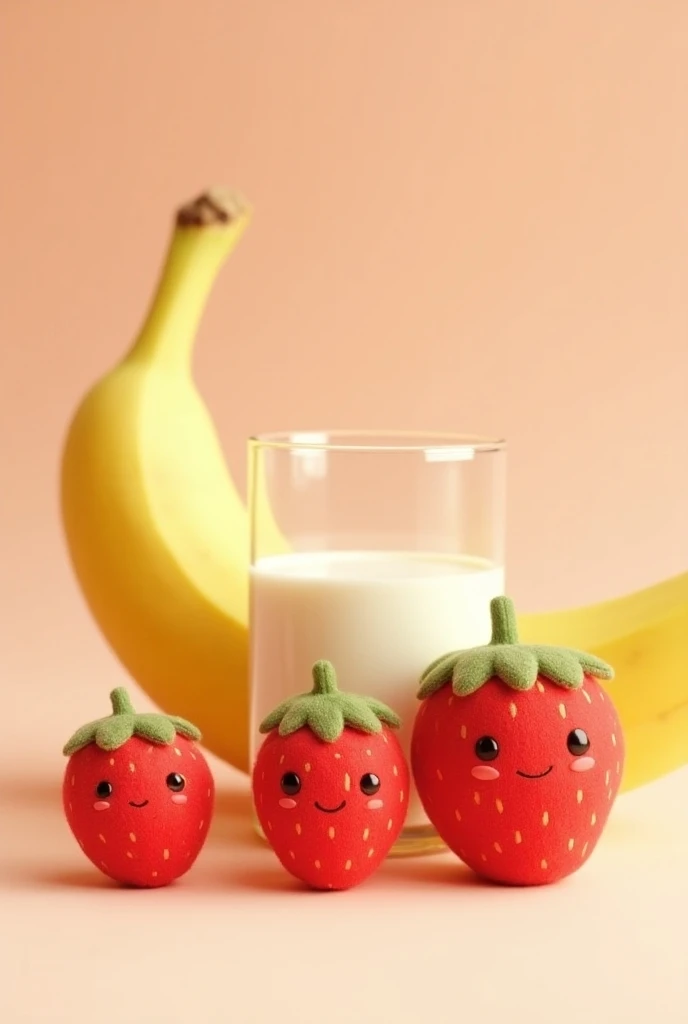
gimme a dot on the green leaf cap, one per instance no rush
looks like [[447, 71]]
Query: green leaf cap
[[326, 710], [114, 731], [506, 659]]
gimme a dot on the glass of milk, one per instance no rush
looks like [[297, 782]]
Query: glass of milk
[[378, 552]]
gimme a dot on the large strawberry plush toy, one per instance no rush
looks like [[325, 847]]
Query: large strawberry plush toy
[[330, 783], [138, 794], [517, 754]]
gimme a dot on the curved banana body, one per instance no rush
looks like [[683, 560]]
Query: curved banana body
[[159, 538]]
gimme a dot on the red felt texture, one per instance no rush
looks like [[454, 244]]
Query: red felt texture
[[343, 848], [511, 829], [146, 846]]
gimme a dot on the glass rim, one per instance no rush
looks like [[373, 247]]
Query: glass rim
[[339, 440]]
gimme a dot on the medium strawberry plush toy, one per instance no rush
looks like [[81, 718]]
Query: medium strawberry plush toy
[[330, 783], [138, 794], [517, 754]]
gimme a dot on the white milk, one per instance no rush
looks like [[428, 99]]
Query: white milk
[[379, 618]]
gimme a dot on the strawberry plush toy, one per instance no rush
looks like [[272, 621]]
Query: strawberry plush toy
[[517, 754], [330, 783], [138, 794]]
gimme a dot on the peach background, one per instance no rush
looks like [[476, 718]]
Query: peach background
[[475, 216]]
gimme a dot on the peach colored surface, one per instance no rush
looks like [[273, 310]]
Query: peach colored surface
[[469, 216]]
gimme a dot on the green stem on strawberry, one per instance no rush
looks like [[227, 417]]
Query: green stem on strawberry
[[113, 731], [515, 664], [326, 710]]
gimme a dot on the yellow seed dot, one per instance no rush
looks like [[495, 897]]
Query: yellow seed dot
[[439, 775], [101, 837], [497, 847], [132, 837], [193, 756], [587, 696], [317, 864], [112, 760], [338, 756], [384, 737], [540, 686], [270, 825], [518, 837], [177, 751], [130, 855], [543, 864], [347, 782], [545, 818], [483, 856], [593, 818], [307, 766], [610, 794], [601, 695], [579, 796], [154, 874], [70, 805], [463, 732], [201, 824], [457, 815], [347, 866], [613, 739], [606, 778], [330, 832], [292, 855], [366, 833], [369, 752], [571, 844], [451, 700], [499, 805], [73, 780], [208, 793], [618, 767], [401, 796], [584, 850], [282, 759], [298, 829], [132, 766], [395, 770], [512, 709], [371, 851], [476, 797], [165, 854], [562, 710]]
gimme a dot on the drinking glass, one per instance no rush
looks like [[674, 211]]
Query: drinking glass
[[377, 552]]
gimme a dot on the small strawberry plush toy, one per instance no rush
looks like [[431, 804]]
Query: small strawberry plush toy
[[138, 794], [517, 754], [330, 783]]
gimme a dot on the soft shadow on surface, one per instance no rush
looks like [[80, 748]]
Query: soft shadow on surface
[[69, 878], [432, 871], [267, 879]]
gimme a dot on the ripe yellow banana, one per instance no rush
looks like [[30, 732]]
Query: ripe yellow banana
[[157, 533], [159, 540]]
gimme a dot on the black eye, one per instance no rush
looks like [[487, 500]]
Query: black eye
[[175, 782], [487, 748], [577, 741], [370, 784], [103, 789], [290, 783]]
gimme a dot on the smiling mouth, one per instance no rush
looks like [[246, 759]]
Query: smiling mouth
[[330, 810], [540, 775], [132, 804]]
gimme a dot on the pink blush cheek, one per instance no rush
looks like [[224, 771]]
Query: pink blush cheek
[[287, 803], [484, 773], [374, 805], [101, 805], [179, 798], [582, 764]]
